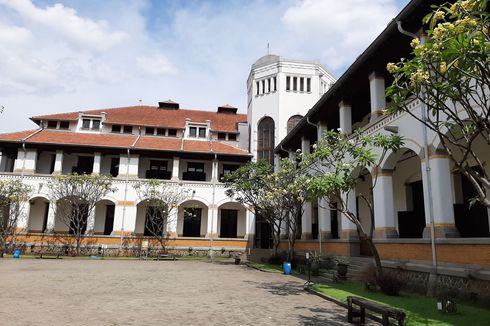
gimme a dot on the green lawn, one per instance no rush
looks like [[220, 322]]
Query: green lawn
[[267, 267], [420, 310]]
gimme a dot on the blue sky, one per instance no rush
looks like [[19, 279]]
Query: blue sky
[[60, 56]]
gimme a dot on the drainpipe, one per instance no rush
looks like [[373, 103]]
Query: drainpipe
[[24, 160], [213, 183], [433, 274], [318, 217], [126, 181]]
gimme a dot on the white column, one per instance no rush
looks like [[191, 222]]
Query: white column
[[90, 222], [50, 224], [58, 163], [175, 169], [321, 128], [349, 229], [306, 228], [129, 165], [214, 170], [250, 226], [277, 162], [377, 95], [124, 217], [172, 223], [324, 219], [442, 194], [345, 114], [97, 161], [305, 145], [212, 227], [384, 209], [26, 161]]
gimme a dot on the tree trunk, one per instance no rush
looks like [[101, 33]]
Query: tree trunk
[[377, 260], [79, 240]]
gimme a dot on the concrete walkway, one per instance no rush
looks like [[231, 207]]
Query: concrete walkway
[[117, 292]]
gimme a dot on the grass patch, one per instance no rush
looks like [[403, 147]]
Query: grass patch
[[420, 310], [264, 267]]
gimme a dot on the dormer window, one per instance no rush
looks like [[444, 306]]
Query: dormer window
[[197, 132], [52, 124], [93, 124], [64, 125], [128, 129]]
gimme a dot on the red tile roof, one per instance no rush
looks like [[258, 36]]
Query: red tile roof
[[153, 116], [122, 141]]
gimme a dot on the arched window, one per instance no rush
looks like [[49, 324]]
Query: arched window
[[265, 140], [293, 121]]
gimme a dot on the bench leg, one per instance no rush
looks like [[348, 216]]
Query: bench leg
[[363, 315], [349, 313], [386, 321]]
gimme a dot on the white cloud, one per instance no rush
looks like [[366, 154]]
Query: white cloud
[[157, 64], [81, 32], [342, 29], [105, 54]]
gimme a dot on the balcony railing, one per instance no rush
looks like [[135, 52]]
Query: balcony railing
[[163, 175], [194, 176]]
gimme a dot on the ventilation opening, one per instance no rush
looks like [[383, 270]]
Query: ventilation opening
[[169, 105]]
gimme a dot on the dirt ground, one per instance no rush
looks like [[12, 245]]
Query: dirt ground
[[120, 292]]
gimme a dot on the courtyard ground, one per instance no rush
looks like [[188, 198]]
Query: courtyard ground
[[133, 292]]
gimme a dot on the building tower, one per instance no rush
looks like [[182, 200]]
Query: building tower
[[280, 92]]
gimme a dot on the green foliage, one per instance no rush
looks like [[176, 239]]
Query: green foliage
[[449, 73], [336, 158], [13, 192]]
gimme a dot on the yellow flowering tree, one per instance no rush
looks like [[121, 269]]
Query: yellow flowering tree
[[12, 194], [449, 72], [162, 200]]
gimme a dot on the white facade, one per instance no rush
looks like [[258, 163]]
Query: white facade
[[280, 89]]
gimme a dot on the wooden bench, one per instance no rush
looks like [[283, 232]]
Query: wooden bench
[[165, 256], [364, 304]]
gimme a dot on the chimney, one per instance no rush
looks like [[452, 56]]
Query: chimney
[[227, 109], [168, 105]]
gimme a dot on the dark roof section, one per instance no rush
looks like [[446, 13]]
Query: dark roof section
[[389, 46]]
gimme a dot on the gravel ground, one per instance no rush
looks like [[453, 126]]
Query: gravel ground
[[131, 292]]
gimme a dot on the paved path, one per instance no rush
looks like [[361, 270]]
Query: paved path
[[116, 292]]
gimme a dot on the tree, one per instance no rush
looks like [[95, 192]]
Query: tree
[[332, 167], [76, 197], [162, 199], [250, 185], [450, 73], [12, 194], [288, 193]]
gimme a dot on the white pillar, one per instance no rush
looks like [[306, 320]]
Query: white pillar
[[321, 128], [324, 219], [250, 222], [214, 170], [26, 161], [349, 229], [172, 223], [58, 163], [305, 145], [175, 169], [124, 217], [129, 165], [377, 95], [345, 113], [277, 162], [97, 161], [442, 194], [384, 209], [90, 222], [306, 228], [50, 224], [212, 227]]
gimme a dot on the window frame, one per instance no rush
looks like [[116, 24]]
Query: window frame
[[196, 167]]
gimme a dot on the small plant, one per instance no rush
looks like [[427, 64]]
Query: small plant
[[190, 250], [389, 284], [223, 250]]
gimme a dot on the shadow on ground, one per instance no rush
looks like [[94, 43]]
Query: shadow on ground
[[322, 317], [280, 288]]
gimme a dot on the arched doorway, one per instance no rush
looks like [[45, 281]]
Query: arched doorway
[[38, 215], [231, 220], [104, 217], [192, 219], [292, 122]]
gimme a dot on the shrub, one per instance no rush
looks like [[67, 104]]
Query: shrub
[[389, 284], [277, 259]]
